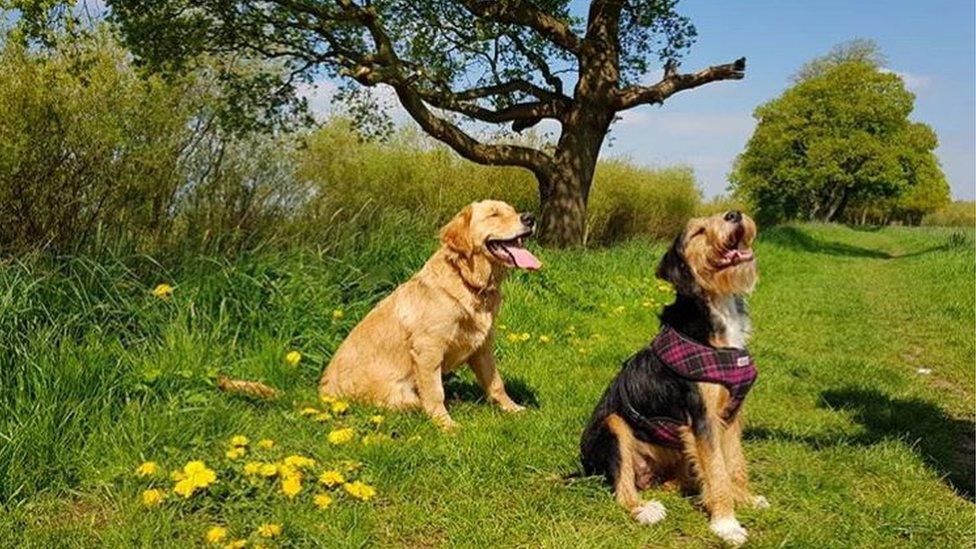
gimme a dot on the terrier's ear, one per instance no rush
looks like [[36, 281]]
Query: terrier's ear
[[674, 269], [456, 235]]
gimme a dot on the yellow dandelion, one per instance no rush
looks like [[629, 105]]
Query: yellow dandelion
[[268, 470], [338, 314], [544, 339], [252, 468], [525, 336], [339, 407], [328, 399], [291, 485], [293, 358], [324, 416], [163, 291], [513, 337], [377, 420], [236, 544], [215, 535], [147, 469], [177, 475], [341, 436], [299, 462], [332, 478], [620, 309], [239, 440], [266, 444], [269, 530], [502, 327], [309, 411], [235, 453], [199, 474], [153, 497], [359, 490], [323, 501], [184, 488]]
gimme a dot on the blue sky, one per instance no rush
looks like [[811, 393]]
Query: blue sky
[[931, 44]]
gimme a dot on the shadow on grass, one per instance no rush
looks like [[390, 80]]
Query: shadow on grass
[[791, 237], [460, 389], [796, 239], [946, 444]]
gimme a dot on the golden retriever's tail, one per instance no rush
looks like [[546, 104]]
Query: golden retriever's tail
[[254, 389]]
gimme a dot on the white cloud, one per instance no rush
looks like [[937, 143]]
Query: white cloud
[[914, 82]]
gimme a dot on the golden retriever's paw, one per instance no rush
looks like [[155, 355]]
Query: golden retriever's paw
[[760, 502], [651, 512], [447, 424], [729, 530], [511, 408]]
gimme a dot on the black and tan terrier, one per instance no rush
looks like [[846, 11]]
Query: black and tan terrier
[[673, 413]]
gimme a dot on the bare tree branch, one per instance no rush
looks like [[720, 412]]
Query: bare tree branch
[[673, 82]]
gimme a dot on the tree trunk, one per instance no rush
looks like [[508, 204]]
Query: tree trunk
[[562, 197], [565, 189], [836, 209]]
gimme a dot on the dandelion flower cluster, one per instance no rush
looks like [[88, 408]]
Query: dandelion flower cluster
[[338, 314], [194, 475], [377, 420], [266, 444]]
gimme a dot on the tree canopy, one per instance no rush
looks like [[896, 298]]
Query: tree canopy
[[450, 63], [839, 139]]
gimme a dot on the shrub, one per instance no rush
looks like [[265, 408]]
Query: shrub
[[960, 213]]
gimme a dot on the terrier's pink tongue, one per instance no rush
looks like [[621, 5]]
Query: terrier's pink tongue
[[524, 258]]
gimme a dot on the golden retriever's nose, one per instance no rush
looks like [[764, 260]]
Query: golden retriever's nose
[[733, 216], [527, 219]]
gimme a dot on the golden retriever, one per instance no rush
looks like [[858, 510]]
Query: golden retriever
[[438, 320]]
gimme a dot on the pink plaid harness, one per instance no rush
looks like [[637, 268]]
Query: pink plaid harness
[[691, 360]]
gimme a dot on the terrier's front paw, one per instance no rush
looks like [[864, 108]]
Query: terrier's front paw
[[651, 512], [729, 530], [760, 502]]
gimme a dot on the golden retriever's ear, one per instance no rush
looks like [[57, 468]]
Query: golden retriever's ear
[[456, 235]]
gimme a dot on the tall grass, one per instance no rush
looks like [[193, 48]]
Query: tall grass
[[411, 174], [85, 345]]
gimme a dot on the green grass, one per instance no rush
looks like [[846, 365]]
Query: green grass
[[851, 444]]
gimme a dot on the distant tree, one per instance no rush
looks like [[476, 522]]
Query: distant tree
[[839, 137], [450, 63]]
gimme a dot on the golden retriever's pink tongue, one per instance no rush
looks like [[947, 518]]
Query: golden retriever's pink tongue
[[523, 258]]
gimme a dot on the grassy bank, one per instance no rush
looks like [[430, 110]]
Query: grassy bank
[[860, 427]]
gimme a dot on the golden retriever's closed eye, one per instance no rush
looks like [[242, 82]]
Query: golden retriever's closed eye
[[438, 320]]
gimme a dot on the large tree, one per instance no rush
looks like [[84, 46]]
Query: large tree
[[839, 138], [454, 66]]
